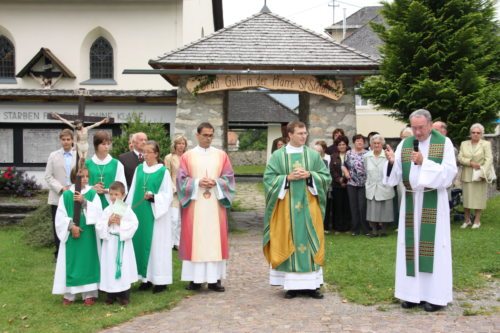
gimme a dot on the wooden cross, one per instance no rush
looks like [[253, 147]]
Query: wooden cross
[[82, 97], [82, 93]]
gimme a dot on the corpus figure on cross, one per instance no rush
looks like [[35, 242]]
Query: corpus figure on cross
[[81, 135]]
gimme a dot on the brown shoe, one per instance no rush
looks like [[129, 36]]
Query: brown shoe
[[67, 301], [124, 302], [89, 301]]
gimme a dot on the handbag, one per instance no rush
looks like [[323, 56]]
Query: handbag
[[476, 175], [490, 176]]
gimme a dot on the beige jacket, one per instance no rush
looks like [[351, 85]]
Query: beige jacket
[[375, 189], [480, 153], [172, 162], [55, 174]]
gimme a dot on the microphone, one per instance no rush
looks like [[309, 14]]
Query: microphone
[[415, 147]]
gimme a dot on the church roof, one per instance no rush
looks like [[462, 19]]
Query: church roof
[[252, 107], [68, 93], [265, 40], [52, 60]]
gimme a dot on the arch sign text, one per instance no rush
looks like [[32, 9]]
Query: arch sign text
[[333, 89]]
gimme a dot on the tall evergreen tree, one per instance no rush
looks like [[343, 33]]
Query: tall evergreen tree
[[441, 55]]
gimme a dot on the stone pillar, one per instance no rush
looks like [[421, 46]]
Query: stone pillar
[[193, 110], [326, 114]]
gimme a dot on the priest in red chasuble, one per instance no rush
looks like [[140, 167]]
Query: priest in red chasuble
[[205, 187]]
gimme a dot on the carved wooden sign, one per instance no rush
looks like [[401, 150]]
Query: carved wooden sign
[[333, 89]]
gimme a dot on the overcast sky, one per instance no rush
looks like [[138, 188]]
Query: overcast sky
[[312, 14]]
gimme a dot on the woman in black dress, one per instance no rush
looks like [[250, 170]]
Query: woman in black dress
[[339, 201]]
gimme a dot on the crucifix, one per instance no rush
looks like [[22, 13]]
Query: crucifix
[[48, 77], [81, 140]]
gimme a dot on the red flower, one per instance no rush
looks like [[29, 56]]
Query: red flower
[[8, 175]]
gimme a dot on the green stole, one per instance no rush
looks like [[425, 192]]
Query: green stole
[[143, 237], [429, 209], [105, 173], [305, 239], [82, 258]]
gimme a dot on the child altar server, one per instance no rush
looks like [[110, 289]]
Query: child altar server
[[116, 227]]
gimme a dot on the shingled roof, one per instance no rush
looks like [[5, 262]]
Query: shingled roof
[[365, 39], [250, 107], [358, 19], [69, 93], [265, 40]]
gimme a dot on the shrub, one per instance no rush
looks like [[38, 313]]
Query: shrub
[[38, 227], [16, 182]]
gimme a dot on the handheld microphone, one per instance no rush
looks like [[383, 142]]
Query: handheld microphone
[[415, 147]]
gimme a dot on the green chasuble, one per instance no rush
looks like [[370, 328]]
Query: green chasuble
[[82, 259], [293, 226], [429, 209], [143, 237], [105, 173]]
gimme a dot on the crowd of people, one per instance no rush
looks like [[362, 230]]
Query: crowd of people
[[117, 220], [139, 207], [357, 180]]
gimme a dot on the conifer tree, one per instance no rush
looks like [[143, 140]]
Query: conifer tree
[[441, 55]]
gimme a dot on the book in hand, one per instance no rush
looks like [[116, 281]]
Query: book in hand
[[119, 207]]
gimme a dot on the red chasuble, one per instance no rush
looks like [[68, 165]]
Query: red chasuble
[[204, 229]]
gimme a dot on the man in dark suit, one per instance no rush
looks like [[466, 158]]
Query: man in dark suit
[[132, 159]]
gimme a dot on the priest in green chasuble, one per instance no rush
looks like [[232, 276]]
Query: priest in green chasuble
[[104, 169], [150, 197], [77, 268], [425, 163], [296, 181], [205, 187]]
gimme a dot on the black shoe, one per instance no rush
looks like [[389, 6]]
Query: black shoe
[[193, 286], [372, 235], [216, 287], [428, 307], [290, 294], [159, 289], [145, 286], [316, 294], [383, 235], [408, 305], [175, 248]]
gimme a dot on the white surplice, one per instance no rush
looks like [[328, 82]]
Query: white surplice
[[436, 287], [92, 214], [111, 235], [160, 258]]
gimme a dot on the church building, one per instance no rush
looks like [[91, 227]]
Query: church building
[[54, 51]]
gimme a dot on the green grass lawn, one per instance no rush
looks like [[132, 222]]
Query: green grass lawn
[[249, 169], [362, 268], [27, 305]]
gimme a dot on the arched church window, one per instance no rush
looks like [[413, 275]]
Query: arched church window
[[101, 59], [6, 58]]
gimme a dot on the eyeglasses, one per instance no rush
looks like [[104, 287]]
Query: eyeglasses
[[207, 135], [475, 132]]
